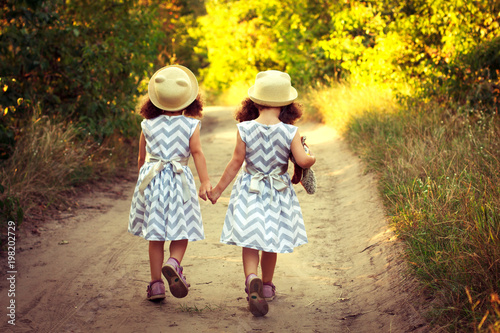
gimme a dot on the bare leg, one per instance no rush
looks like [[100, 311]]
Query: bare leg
[[250, 261], [173, 271], [268, 264], [156, 259], [256, 301], [178, 248]]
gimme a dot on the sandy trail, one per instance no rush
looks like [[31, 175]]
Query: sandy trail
[[348, 278]]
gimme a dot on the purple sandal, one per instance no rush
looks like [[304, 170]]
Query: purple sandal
[[256, 302], [156, 290], [176, 281], [269, 291]]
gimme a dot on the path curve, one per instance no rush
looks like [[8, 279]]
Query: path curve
[[84, 273]]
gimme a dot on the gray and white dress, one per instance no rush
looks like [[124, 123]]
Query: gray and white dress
[[264, 212], [165, 202]]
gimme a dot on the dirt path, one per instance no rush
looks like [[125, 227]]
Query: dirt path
[[85, 273]]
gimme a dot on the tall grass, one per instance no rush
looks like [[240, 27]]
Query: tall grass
[[50, 159], [335, 104], [439, 176]]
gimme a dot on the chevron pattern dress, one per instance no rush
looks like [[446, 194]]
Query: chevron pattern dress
[[264, 212], [160, 213]]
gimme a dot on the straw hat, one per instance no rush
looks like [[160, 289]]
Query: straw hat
[[272, 88], [173, 88]]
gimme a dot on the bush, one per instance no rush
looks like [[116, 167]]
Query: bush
[[473, 80], [77, 61]]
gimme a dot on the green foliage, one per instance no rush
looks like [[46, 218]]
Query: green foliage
[[176, 19], [76, 61], [70, 76], [473, 80], [240, 38]]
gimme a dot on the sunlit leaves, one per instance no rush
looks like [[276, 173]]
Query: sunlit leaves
[[377, 41]]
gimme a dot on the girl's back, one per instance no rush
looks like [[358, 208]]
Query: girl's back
[[267, 146], [168, 136]]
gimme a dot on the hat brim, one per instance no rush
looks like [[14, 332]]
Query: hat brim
[[174, 108], [291, 97]]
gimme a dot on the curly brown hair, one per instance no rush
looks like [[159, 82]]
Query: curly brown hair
[[150, 111], [250, 110]]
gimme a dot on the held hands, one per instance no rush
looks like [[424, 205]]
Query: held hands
[[214, 195], [204, 191]]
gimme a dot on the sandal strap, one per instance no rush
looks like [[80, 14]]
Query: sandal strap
[[249, 277], [155, 281]]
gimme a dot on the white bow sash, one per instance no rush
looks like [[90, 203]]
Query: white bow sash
[[257, 181], [177, 164]]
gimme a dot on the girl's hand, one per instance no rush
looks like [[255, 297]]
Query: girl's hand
[[204, 190], [214, 195], [304, 159]]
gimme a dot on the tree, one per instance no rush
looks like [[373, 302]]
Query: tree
[[80, 61]]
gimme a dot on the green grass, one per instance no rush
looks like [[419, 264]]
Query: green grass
[[439, 177]]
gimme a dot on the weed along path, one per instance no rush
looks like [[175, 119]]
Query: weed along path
[[85, 273]]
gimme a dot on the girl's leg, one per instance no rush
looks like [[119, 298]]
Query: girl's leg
[[268, 264], [256, 301], [156, 259], [173, 270], [250, 261], [178, 248]]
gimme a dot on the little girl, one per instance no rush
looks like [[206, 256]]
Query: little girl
[[164, 204], [263, 212]]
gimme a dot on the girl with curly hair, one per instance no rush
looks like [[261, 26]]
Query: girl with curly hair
[[165, 206], [264, 214]]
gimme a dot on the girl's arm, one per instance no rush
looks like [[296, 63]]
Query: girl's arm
[[200, 163], [142, 152], [299, 154], [231, 170]]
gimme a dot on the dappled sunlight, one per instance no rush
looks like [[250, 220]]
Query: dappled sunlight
[[320, 135], [385, 233], [341, 171]]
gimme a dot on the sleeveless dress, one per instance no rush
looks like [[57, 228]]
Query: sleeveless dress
[[168, 207], [264, 212]]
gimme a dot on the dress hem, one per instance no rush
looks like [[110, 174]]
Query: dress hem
[[251, 246], [167, 239]]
